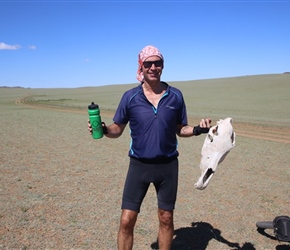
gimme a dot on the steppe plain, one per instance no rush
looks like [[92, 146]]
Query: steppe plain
[[60, 189]]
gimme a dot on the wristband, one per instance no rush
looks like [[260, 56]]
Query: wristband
[[105, 129], [197, 130]]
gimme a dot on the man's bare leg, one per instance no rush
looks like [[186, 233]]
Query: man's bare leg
[[126, 229], [166, 229]]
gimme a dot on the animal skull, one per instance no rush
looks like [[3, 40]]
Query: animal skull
[[217, 144]]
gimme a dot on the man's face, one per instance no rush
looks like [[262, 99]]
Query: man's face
[[152, 69]]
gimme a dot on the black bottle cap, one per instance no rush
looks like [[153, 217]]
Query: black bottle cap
[[93, 106]]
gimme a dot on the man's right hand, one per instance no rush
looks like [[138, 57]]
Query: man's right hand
[[90, 127]]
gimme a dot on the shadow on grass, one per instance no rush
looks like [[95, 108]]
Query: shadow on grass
[[262, 231], [279, 247], [198, 236]]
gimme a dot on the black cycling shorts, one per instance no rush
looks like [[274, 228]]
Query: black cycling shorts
[[163, 174]]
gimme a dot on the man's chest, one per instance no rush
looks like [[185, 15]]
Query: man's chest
[[154, 98], [145, 112]]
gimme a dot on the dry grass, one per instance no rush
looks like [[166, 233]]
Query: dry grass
[[60, 189]]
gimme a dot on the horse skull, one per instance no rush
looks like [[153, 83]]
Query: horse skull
[[217, 144]]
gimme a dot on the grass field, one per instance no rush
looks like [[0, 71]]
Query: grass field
[[60, 189]]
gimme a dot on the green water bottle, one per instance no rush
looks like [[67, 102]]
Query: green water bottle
[[95, 120]]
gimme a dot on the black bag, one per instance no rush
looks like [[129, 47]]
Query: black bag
[[282, 227]]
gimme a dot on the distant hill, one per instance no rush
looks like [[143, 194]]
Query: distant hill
[[261, 77], [16, 87]]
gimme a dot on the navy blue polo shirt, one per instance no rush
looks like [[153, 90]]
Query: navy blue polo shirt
[[153, 130]]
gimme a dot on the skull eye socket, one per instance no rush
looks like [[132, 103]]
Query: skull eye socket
[[215, 130]]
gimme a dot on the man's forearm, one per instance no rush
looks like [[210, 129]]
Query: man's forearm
[[114, 130], [186, 131]]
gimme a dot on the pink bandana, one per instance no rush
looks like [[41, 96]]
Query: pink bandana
[[143, 55]]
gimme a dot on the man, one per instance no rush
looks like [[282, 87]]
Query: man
[[156, 113]]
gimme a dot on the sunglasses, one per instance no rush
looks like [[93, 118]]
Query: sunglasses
[[148, 64]]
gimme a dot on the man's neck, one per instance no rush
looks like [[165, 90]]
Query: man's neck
[[154, 87]]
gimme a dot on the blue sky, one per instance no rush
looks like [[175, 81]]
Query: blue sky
[[49, 44]]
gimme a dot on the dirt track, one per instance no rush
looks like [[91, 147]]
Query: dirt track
[[269, 133]]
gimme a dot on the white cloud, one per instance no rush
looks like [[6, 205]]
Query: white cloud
[[31, 47], [4, 46]]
